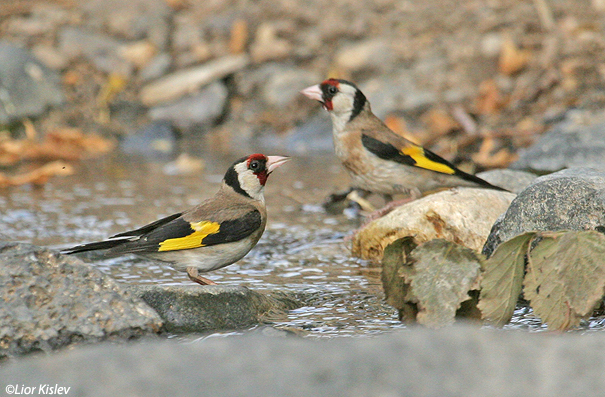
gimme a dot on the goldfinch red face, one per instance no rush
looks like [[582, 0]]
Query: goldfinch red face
[[341, 98], [248, 175]]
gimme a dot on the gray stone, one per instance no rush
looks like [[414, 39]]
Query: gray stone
[[100, 49], [457, 361], [50, 301], [157, 138], [199, 308], [396, 93], [157, 67], [189, 80], [27, 87], [572, 199], [313, 136], [281, 88], [568, 144], [202, 108], [511, 180]]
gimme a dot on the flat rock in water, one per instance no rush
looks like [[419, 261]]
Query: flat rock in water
[[462, 215], [568, 144], [51, 300], [197, 308], [572, 199], [457, 361], [27, 87]]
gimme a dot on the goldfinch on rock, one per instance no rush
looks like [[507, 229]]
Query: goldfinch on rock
[[214, 234], [377, 159]]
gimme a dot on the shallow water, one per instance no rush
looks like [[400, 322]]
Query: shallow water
[[302, 251]]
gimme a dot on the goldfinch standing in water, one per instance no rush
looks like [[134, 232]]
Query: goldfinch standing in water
[[214, 234], [377, 159]]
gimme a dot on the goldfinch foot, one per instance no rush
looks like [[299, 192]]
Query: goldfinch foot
[[194, 276]]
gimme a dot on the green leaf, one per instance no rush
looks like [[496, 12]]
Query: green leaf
[[503, 279], [566, 277], [396, 290], [444, 273]]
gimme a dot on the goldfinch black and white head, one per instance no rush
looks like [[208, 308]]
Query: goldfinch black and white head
[[377, 159], [214, 234], [249, 174]]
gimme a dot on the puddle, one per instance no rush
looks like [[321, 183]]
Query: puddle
[[302, 250]]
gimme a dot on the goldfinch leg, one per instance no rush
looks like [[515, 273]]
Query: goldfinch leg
[[391, 205], [194, 276]]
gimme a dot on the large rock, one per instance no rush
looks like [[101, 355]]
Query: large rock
[[51, 300], [462, 215], [27, 87], [572, 199], [198, 308], [568, 144], [457, 361]]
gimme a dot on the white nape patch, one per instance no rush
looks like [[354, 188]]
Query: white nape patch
[[342, 107], [249, 182]]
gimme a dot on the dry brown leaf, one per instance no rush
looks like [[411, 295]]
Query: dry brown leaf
[[444, 274], [565, 277], [486, 157], [512, 59], [239, 37], [440, 122], [38, 176], [63, 144], [489, 100], [398, 125]]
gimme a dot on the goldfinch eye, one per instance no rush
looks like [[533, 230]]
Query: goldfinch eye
[[332, 90], [254, 165]]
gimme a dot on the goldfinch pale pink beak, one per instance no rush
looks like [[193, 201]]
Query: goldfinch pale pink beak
[[275, 161], [313, 92]]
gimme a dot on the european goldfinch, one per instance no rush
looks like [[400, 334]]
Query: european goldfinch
[[214, 234], [377, 159]]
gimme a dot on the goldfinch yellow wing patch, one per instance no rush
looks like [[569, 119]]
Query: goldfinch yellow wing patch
[[423, 161], [415, 156], [200, 230]]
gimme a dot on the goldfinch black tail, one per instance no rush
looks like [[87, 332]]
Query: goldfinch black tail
[[98, 245], [481, 182]]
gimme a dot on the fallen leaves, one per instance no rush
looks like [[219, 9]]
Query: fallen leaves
[[37, 176], [561, 274], [512, 59], [67, 144], [64, 144], [443, 275]]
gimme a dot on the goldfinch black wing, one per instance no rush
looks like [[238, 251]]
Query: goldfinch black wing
[[180, 234], [399, 150]]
